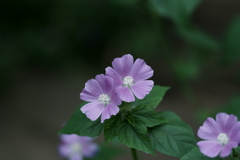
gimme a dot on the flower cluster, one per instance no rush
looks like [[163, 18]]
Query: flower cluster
[[123, 82], [75, 147], [220, 136]]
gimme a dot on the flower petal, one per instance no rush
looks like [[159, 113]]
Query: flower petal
[[69, 138], [92, 89], [210, 148], [209, 130], [88, 96], [114, 75], [234, 133], [89, 150], [76, 156], [125, 94], [85, 140], [115, 98], [64, 150], [142, 88], [141, 71], [123, 65], [226, 122], [227, 149], [106, 83], [109, 110], [93, 110]]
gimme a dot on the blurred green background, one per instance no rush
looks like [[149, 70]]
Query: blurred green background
[[50, 48]]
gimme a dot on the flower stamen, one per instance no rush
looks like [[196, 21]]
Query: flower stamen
[[104, 99], [127, 81], [223, 138], [75, 148]]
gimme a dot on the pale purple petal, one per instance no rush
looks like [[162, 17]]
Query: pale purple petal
[[227, 149], [69, 138], [224, 132], [226, 121], [113, 74], [93, 110], [64, 150], [234, 134], [84, 140], [76, 157], [106, 83], [88, 96], [125, 94], [209, 130], [115, 98], [123, 65], [90, 150], [142, 88], [210, 148], [109, 110], [92, 90], [141, 71], [74, 147]]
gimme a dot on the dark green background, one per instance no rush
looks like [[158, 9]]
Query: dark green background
[[50, 48]]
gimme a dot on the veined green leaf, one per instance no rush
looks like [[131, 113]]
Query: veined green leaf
[[79, 124], [111, 128], [174, 138], [148, 116], [135, 137], [153, 98]]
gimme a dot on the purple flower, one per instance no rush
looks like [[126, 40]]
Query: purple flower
[[102, 97], [219, 136], [130, 78], [75, 147]]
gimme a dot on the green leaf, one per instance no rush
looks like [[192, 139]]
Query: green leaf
[[111, 128], [79, 124], [170, 116], [179, 11], [148, 116], [174, 138], [235, 154], [135, 137], [231, 47], [130, 120], [195, 154], [153, 98]]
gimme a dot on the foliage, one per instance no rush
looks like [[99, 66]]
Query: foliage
[[139, 126]]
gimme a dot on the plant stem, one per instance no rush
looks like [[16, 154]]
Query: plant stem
[[134, 154]]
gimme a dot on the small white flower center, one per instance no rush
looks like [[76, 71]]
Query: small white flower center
[[127, 81], [75, 148], [104, 99], [223, 138]]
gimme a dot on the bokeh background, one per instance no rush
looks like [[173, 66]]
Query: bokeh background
[[50, 48]]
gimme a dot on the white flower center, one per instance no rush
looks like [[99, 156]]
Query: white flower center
[[223, 138], [127, 81], [75, 148], [104, 99]]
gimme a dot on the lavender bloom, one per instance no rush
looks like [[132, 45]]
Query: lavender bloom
[[102, 97], [130, 78], [75, 147], [219, 136]]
